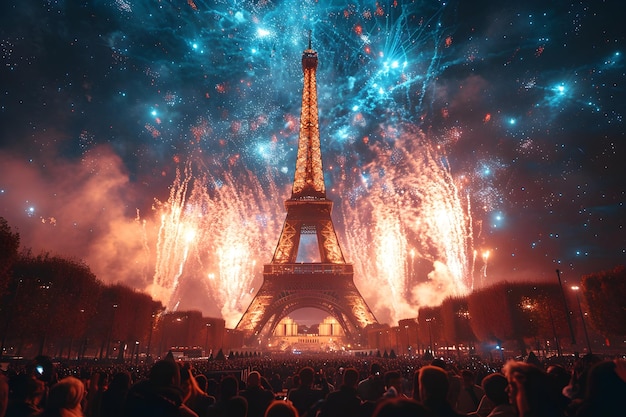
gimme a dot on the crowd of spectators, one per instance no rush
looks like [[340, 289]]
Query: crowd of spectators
[[317, 386]]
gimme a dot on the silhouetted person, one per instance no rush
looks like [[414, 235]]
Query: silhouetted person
[[277, 383], [606, 390], [25, 394], [532, 392], [203, 382], [454, 380], [345, 401], [433, 388], [470, 393], [64, 399], [577, 387], [193, 396], [495, 386], [258, 398], [159, 396], [393, 384], [399, 407], [305, 396], [373, 387], [228, 388], [97, 385], [559, 376], [114, 398], [280, 408], [236, 406]]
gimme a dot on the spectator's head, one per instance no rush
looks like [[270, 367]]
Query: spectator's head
[[281, 408], [559, 375], [541, 396], [25, 388], [416, 386], [439, 363], [350, 377], [375, 369], [66, 394], [604, 384], [468, 378], [212, 387], [188, 383], [433, 384], [307, 374], [495, 388], [254, 379], [202, 381], [393, 379], [165, 373], [121, 380], [237, 406], [229, 387], [400, 407]]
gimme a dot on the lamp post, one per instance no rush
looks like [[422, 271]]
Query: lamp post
[[206, 340], [559, 353], [398, 341], [150, 337], [408, 341], [430, 336], [111, 331], [567, 316], [575, 288]]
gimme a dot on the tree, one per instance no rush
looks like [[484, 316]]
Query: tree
[[514, 311], [484, 307], [53, 299], [115, 319], [430, 326], [9, 245], [605, 294], [456, 321]]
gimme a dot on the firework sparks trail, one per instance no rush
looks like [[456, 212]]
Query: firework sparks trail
[[483, 275], [408, 206], [213, 232]]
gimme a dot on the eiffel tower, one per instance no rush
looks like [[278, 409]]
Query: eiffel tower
[[288, 285]]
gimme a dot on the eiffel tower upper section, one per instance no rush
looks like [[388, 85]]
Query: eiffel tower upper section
[[308, 209], [309, 177]]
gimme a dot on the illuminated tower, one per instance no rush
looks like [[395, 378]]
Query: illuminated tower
[[289, 285]]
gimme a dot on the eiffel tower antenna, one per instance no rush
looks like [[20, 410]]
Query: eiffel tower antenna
[[288, 284]]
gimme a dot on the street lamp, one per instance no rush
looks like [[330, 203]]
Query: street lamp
[[111, 331], [408, 341], [559, 353], [567, 315], [150, 337], [430, 335], [575, 288], [206, 340]]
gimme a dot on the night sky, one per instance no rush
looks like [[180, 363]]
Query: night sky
[[508, 113]]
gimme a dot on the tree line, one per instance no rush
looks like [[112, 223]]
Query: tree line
[[542, 316], [55, 305]]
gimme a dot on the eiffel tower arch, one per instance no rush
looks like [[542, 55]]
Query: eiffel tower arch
[[289, 285]]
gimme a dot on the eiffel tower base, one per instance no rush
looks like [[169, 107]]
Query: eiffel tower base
[[289, 287]]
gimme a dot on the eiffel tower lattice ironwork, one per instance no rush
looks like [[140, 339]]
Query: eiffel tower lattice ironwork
[[289, 285]]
